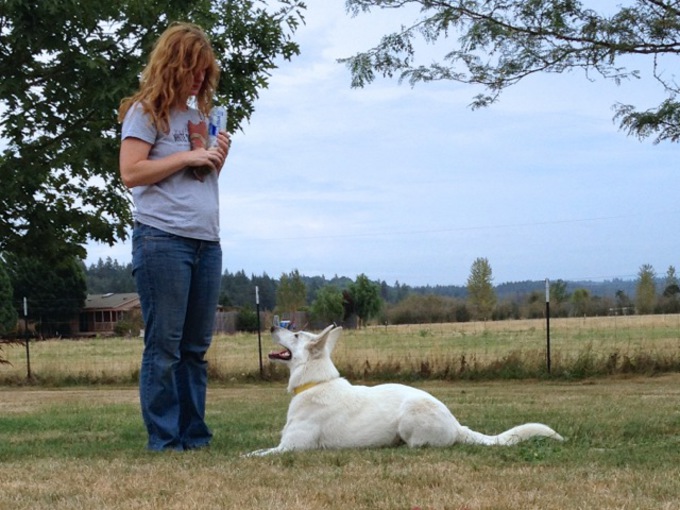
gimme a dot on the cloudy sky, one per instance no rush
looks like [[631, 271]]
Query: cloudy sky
[[410, 185]]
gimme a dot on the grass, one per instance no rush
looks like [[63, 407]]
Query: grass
[[580, 348], [72, 437], [77, 448]]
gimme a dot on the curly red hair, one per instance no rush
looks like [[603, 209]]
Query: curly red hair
[[166, 80]]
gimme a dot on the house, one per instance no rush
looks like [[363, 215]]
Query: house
[[102, 311]]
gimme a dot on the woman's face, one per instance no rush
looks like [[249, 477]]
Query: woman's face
[[198, 77]]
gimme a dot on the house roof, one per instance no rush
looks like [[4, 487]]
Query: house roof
[[112, 301]]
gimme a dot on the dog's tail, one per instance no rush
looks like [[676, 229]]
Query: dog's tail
[[509, 437]]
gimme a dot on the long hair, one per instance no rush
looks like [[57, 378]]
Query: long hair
[[166, 80]]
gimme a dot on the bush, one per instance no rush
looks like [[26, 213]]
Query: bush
[[247, 320], [427, 309], [131, 325]]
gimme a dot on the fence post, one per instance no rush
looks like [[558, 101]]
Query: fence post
[[27, 339], [259, 337], [547, 322]]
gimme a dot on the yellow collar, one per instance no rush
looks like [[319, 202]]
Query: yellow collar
[[299, 389]]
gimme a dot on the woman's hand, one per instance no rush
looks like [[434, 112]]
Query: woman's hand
[[223, 145], [136, 169], [204, 157]]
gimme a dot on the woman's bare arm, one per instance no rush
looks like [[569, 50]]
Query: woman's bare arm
[[136, 169]]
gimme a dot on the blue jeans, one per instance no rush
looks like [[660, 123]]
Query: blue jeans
[[178, 281]]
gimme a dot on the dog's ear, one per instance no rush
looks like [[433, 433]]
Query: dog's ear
[[326, 339], [333, 336]]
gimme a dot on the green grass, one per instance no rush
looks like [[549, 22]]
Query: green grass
[[72, 448]]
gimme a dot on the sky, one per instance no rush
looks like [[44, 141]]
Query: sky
[[410, 185]]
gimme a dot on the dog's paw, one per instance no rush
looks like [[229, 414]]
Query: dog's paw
[[257, 453]]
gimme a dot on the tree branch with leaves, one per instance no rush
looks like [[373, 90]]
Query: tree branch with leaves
[[66, 66], [498, 43]]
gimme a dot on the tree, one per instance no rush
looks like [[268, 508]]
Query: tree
[[671, 284], [246, 320], [109, 276], [669, 302], [8, 315], [481, 294], [236, 289], [535, 305], [580, 301], [623, 302], [558, 292], [365, 296], [645, 290], [55, 289], [501, 42], [65, 67], [291, 294], [559, 295], [267, 290], [327, 307]]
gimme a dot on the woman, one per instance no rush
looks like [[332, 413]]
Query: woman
[[177, 258]]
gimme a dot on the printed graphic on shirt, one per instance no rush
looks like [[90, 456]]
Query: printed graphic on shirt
[[180, 136]]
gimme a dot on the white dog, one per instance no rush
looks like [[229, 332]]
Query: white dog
[[328, 412]]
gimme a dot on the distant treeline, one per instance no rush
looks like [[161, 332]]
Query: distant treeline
[[238, 289]]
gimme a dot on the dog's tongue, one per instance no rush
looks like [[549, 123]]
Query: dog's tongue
[[282, 355]]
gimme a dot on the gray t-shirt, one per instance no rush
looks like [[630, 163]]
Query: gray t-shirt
[[179, 204]]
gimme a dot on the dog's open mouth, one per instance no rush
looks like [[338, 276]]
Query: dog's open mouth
[[283, 355]]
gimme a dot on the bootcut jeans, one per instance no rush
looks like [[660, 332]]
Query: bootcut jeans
[[178, 282]]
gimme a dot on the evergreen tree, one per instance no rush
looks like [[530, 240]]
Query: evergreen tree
[[267, 290], [110, 276], [670, 299], [291, 295], [671, 287], [237, 290]]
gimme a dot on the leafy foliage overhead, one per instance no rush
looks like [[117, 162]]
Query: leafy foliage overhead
[[500, 42], [66, 65]]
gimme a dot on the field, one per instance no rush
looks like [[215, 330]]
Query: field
[[72, 438], [580, 348], [82, 448]]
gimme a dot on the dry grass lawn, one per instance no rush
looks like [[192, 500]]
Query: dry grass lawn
[[82, 448], [381, 351]]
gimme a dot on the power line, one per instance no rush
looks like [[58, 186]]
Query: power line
[[461, 229]]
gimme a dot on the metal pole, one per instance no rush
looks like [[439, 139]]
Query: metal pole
[[547, 321], [27, 338], [259, 337]]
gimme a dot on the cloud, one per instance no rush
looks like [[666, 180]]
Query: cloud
[[409, 184]]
